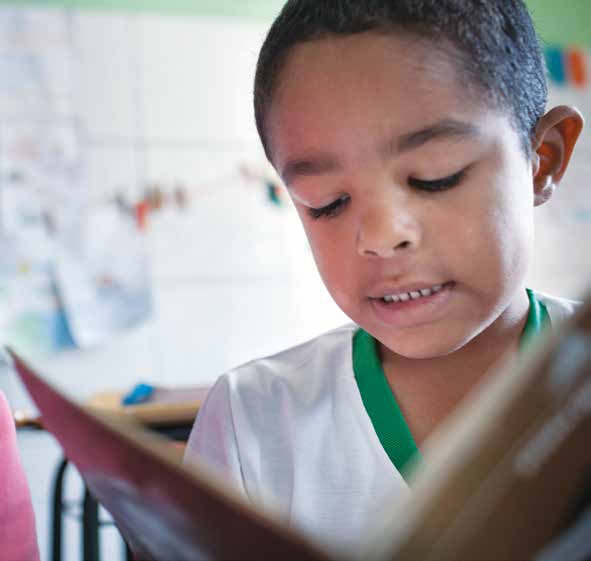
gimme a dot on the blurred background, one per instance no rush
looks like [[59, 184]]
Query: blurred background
[[144, 237]]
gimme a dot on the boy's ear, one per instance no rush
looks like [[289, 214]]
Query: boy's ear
[[554, 140]]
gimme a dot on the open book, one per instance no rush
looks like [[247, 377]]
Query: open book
[[508, 477]]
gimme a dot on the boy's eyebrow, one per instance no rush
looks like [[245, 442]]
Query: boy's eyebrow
[[443, 129], [321, 164], [315, 165]]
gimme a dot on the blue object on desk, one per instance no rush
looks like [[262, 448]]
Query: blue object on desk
[[139, 394]]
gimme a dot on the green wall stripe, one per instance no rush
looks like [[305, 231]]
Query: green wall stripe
[[254, 9], [559, 22], [562, 22]]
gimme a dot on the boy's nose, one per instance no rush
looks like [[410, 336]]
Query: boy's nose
[[386, 229]]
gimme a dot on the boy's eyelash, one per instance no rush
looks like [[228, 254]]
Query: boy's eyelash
[[330, 210], [336, 207], [438, 184]]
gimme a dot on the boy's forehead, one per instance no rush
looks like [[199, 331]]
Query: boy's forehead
[[388, 83], [396, 74], [403, 55]]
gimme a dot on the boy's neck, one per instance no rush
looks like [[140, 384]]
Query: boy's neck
[[427, 390]]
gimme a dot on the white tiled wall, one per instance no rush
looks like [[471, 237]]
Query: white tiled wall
[[169, 99]]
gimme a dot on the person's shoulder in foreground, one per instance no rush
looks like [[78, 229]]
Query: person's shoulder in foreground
[[17, 523]]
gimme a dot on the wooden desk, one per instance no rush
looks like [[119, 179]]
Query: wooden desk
[[157, 414]]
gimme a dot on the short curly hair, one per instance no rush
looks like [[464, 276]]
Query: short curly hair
[[496, 41]]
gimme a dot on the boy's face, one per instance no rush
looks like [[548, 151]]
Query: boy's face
[[404, 183]]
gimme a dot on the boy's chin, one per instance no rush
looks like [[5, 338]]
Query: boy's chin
[[420, 348]]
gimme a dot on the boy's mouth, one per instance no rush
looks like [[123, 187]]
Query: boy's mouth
[[417, 294], [412, 305]]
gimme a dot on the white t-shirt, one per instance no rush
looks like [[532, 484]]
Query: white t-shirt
[[292, 434]]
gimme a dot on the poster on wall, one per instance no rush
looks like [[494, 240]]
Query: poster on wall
[[36, 167], [104, 285], [47, 232]]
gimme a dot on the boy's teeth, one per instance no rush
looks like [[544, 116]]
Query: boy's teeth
[[414, 294]]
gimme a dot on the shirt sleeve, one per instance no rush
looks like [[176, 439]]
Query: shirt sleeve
[[18, 539], [213, 438]]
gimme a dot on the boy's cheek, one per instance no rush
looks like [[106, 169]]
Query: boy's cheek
[[340, 274]]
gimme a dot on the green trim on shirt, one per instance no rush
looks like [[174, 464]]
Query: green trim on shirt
[[538, 319], [381, 405]]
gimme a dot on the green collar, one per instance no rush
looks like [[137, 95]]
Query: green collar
[[537, 322], [381, 405]]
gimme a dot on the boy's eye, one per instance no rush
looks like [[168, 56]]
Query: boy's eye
[[336, 207], [331, 210], [437, 184]]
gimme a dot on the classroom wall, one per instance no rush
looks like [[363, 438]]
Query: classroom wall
[[166, 99], [232, 276]]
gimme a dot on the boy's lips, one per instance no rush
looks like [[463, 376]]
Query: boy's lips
[[411, 304], [408, 291]]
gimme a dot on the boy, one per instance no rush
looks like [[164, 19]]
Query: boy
[[412, 138]]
